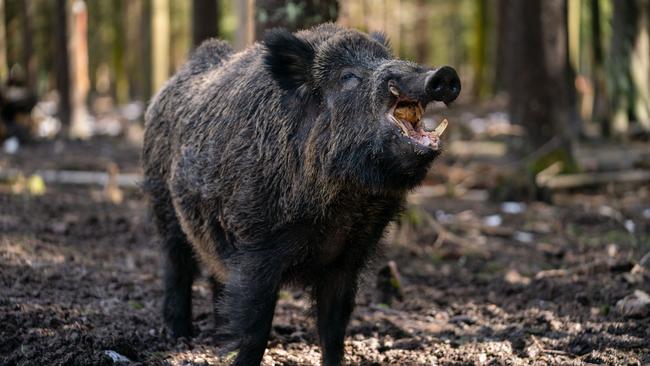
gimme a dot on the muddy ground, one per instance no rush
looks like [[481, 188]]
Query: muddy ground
[[80, 276]]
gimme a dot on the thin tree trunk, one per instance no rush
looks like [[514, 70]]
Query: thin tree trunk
[[119, 23], [3, 44], [205, 20], [501, 77], [62, 60], [599, 107], [145, 59], [640, 66], [422, 32], [80, 84], [160, 42], [479, 50], [29, 57], [620, 85], [133, 18], [574, 20]]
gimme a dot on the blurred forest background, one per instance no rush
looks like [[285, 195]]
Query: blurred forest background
[[529, 240], [576, 68]]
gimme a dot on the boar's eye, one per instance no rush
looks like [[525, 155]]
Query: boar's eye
[[349, 79], [348, 76]]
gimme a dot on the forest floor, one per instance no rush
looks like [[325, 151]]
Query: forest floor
[[484, 283]]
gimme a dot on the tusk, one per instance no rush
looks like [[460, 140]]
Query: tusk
[[441, 127], [400, 125]]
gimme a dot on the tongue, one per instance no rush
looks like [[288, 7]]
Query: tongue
[[426, 138]]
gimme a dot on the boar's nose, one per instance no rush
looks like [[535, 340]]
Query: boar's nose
[[443, 84]]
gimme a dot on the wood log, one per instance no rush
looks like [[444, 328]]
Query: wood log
[[592, 179]]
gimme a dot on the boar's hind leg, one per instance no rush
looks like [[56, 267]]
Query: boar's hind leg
[[217, 292], [334, 294], [249, 300], [180, 268]]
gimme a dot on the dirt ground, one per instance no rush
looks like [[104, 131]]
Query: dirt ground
[[484, 283]]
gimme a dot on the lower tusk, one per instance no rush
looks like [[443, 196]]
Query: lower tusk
[[441, 127]]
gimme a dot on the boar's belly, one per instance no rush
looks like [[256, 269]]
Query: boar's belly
[[334, 245]]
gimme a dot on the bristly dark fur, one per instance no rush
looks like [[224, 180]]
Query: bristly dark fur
[[277, 165]]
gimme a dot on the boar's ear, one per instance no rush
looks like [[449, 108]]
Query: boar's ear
[[382, 38], [288, 58]]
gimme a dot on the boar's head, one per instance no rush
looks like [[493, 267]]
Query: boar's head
[[358, 109]]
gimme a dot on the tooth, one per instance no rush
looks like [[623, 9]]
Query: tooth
[[441, 127], [393, 90], [400, 125]]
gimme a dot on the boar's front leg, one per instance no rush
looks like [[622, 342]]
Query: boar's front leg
[[250, 295], [335, 295]]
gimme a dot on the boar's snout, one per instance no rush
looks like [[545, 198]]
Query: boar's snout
[[442, 84]]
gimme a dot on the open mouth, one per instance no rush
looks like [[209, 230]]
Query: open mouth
[[407, 116]]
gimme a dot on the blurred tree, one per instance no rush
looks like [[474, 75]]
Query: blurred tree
[[599, 107], [479, 50], [629, 65], [118, 22], [29, 57], [138, 36], [80, 83], [245, 34], [160, 43], [3, 43], [62, 60], [501, 74], [422, 32], [205, 20], [293, 14], [535, 58], [180, 31]]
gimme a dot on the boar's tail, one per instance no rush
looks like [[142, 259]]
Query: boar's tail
[[209, 54]]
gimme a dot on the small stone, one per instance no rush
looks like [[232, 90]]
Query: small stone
[[492, 220], [513, 207], [636, 305], [523, 236], [514, 278], [116, 357], [645, 261]]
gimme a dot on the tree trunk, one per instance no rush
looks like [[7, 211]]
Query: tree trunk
[[29, 57], [536, 55], [62, 61], [205, 20], [641, 66], [293, 14], [629, 66], [119, 23], [133, 18], [80, 83], [478, 53], [160, 43], [421, 32], [3, 44], [599, 108], [501, 73]]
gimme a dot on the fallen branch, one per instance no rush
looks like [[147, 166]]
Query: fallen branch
[[590, 179], [75, 177]]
